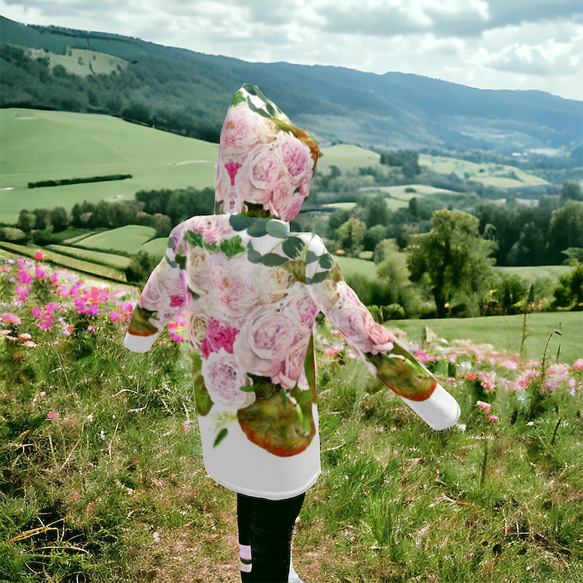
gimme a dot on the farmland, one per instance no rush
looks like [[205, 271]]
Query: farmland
[[42, 145]]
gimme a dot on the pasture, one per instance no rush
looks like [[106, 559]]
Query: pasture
[[127, 239], [505, 333], [488, 174], [51, 145]]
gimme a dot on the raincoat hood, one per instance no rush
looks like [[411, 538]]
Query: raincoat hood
[[265, 163]]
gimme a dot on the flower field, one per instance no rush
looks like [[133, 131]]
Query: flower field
[[101, 477]]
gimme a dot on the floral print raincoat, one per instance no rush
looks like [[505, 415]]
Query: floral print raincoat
[[251, 289]]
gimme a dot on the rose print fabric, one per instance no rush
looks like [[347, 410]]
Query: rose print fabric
[[251, 290]]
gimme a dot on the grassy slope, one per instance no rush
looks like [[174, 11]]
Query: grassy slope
[[41, 145], [129, 239], [505, 332]]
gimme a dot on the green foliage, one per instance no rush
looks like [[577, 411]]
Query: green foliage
[[12, 234], [453, 257], [569, 292]]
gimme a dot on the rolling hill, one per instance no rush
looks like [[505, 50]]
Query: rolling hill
[[188, 93]]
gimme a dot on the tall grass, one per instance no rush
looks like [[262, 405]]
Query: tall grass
[[101, 477]]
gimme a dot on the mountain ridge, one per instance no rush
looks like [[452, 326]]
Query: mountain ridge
[[188, 92]]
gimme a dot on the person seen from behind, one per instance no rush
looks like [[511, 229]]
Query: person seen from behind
[[251, 289]]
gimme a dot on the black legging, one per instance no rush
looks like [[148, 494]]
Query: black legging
[[268, 527]]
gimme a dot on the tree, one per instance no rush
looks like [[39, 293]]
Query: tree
[[452, 257], [59, 219], [571, 191], [569, 292], [565, 231]]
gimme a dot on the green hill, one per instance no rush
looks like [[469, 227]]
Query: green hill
[[188, 93], [48, 145]]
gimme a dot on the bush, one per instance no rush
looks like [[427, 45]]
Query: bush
[[12, 234]]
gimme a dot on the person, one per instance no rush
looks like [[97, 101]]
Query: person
[[251, 289]]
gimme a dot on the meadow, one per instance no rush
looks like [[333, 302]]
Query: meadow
[[51, 145], [101, 477]]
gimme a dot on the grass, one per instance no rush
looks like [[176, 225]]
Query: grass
[[488, 174], [347, 158], [352, 266], [128, 239], [109, 259], [43, 145], [101, 476], [155, 247], [532, 273], [505, 332]]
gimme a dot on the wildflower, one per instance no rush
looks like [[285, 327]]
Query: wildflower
[[333, 350], [40, 273], [39, 256], [53, 414], [493, 418], [578, 364], [9, 318], [486, 406]]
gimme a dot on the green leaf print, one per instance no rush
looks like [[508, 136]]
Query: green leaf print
[[326, 261], [232, 247], [252, 255], [239, 98], [318, 277], [239, 222], [276, 229], [223, 432], [203, 400], [297, 269], [311, 257], [273, 260], [257, 228], [293, 247]]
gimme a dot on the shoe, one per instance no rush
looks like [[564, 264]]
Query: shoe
[[293, 576]]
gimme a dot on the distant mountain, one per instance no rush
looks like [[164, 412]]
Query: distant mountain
[[188, 93]]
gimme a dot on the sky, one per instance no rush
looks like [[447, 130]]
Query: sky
[[490, 44]]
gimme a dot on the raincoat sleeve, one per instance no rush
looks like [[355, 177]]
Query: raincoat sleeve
[[160, 300], [392, 363]]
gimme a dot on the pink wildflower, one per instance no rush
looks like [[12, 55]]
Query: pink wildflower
[[9, 318], [493, 418], [333, 350], [53, 414], [578, 364], [115, 316], [40, 272], [39, 256], [486, 406]]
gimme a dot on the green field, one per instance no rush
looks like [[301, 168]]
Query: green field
[[532, 273], [505, 332], [352, 266], [155, 247], [110, 259], [86, 267], [128, 239], [487, 173], [347, 158], [44, 145]]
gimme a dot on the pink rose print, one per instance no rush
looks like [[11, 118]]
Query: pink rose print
[[218, 337], [264, 341], [295, 155], [241, 131], [224, 378], [260, 172], [356, 323], [234, 292], [301, 308], [212, 228]]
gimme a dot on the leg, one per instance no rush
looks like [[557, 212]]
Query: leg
[[270, 534], [244, 526]]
